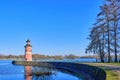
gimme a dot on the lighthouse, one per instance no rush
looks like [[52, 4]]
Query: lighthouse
[[28, 51]]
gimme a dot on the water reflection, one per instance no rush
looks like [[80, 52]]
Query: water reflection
[[42, 73], [28, 73], [38, 73]]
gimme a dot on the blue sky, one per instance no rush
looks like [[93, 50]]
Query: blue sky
[[55, 27]]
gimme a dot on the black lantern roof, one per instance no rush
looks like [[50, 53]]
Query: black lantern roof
[[28, 43]]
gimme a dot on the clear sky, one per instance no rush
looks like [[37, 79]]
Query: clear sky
[[55, 27]]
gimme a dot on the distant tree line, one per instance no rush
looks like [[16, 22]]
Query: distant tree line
[[39, 56], [10, 56], [71, 56], [105, 34]]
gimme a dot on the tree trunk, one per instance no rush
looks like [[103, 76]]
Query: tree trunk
[[115, 36]]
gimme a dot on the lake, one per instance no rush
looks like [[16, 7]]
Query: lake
[[15, 72]]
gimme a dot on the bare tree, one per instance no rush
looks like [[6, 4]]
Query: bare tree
[[104, 36]]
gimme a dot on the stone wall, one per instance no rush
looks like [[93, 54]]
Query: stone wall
[[89, 72]]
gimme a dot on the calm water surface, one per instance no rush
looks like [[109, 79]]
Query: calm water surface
[[13, 72]]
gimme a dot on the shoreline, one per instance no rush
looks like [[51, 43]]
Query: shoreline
[[88, 72]]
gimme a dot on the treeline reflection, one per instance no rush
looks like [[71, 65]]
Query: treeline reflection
[[38, 73]]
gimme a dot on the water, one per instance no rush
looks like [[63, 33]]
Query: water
[[13, 72], [72, 60]]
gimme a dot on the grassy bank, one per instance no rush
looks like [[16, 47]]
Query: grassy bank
[[112, 73], [117, 64]]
